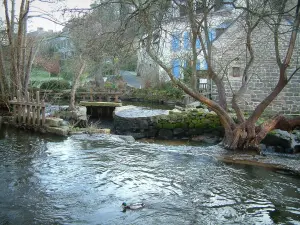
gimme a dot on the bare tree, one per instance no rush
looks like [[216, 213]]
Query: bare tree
[[100, 36], [17, 48], [255, 16]]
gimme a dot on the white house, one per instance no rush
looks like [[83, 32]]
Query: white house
[[174, 41]]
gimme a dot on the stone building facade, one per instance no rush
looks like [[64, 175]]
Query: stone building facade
[[230, 58]]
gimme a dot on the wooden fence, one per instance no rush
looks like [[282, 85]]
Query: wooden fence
[[27, 110]]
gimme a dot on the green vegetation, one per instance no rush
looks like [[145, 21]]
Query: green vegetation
[[39, 76], [55, 85], [165, 92], [197, 118]]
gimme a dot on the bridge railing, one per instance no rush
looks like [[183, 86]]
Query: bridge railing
[[100, 96]]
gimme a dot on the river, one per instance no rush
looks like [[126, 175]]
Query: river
[[84, 179]]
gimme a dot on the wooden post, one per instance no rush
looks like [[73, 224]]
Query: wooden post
[[23, 110], [43, 112], [19, 106], [33, 111], [15, 114], [91, 94], [38, 107], [28, 107], [116, 98]]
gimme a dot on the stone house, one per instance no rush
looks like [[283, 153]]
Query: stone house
[[227, 32], [230, 57]]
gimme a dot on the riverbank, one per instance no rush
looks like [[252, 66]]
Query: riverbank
[[271, 160], [284, 163]]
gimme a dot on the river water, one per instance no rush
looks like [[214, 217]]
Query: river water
[[84, 179]]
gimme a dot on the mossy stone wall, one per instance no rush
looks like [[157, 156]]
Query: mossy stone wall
[[176, 125]]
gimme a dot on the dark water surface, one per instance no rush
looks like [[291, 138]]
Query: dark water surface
[[84, 179]]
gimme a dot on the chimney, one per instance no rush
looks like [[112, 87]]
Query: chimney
[[40, 29]]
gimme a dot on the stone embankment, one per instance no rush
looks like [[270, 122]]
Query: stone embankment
[[195, 124]]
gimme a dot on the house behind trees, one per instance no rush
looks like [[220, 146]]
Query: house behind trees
[[229, 55]]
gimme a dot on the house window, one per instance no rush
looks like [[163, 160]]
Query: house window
[[176, 68], [204, 65], [202, 85], [198, 44], [186, 40], [198, 64], [236, 72], [212, 34], [175, 42]]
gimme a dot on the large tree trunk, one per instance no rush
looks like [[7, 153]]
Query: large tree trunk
[[3, 83], [75, 84], [247, 136]]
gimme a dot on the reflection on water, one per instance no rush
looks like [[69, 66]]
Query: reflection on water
[[84, 179]]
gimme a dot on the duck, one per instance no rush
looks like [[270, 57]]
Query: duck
[[133, 206]]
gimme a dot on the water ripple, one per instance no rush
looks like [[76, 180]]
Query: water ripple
[[83, 179]]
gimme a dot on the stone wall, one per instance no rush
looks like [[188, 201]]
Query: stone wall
[[230, 52], [175, 125]]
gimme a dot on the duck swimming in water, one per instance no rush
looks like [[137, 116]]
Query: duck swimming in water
[[132, 206]]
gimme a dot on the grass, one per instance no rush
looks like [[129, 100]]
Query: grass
[[38, 76]]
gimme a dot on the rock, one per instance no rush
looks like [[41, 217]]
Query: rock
[[64, 123], [283, 141], [99, 131], [178, 131], [278, 138], [178, 108], [127, 138], [78, 117], [135, 135], [53, 122], [206, 139], [262, 147], [296, 133], [165, 134], [193, 104], [62, 131], [143, 124]]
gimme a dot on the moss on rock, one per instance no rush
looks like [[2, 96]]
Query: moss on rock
[[196, 118]]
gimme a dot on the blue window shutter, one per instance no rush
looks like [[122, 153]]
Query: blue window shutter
[[176, 68], [198, 45], [186, 40], [212, 34], [198, 64], [204, 65], [175, 42], [185, 63]]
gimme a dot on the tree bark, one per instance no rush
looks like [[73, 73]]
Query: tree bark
[[75, 84]]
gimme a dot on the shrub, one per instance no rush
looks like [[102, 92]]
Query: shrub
[[55, 85]]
